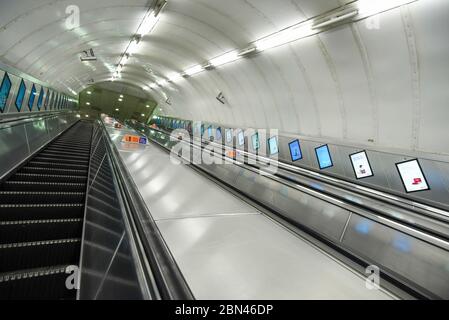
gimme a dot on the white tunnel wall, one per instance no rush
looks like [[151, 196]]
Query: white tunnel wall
[[349, 84]]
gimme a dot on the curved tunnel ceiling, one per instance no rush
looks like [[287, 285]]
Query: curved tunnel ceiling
[[381, 85]]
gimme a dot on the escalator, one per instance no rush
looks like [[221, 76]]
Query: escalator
[[41, 218]]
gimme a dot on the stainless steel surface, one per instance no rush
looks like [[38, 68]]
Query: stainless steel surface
[[251, 257], [329, 217], [20, 139], [426, 265], [224, 247], [169, 189], [109, 266]]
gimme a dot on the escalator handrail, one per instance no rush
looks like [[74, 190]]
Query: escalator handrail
[[17, 119], [420, 208], [434, 238], [167, 275]]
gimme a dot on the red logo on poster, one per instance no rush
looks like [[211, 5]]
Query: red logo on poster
[[417, 181]]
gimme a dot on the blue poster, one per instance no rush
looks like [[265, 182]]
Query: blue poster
[[295, 150]]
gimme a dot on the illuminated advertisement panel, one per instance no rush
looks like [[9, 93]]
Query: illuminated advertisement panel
[[295, 150], [229, 135], [20, 95], [273, 146], [255, 141], [209, 132], [4, 91], [412, 176], [40, 100], [218, 134], [241, 138], [361, 165], [324, 157]]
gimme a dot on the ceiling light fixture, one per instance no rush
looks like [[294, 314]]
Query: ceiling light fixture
[[333, 19], [173, 77], [226, 58], [148, 24], [368, 8], [162, 82], [285, 36], [194, 70]]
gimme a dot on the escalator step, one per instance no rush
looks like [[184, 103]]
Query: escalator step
[[53, 160], [63, 156], [40, 197], [69, 146], [35, 230], [42, 186], [39, 254], [47, 178], [36, 284], [46, 164], [66, 152], [54, 171], [12, 212]]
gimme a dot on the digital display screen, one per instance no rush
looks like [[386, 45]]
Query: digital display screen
[[229, 135], [20, 95], [273, 145], [361, 165], [241, 138], [412, 176], [209, 132], [255, 141], [52, 98], [324, 157], [40, 100], [295, 150], [218, 134], [55, 102], [4, 91]]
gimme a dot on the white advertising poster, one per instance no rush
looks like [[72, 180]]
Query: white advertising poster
[[361, 165], [412, 176], [241, 137]]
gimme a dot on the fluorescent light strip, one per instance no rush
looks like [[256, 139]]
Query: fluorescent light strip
[[173, 77], [369, 7], [285, 36], [336, 19], [226, 58], [162, 82], [148, 24], [360, 9], [194, 70]]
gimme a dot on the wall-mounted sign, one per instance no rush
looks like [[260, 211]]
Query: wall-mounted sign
[[228, 135], [241, 138], [273, 146], [255, 141], [134, 139], [361, 165], [295, 150], [4, 91], [412, 176], [324, 157]]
